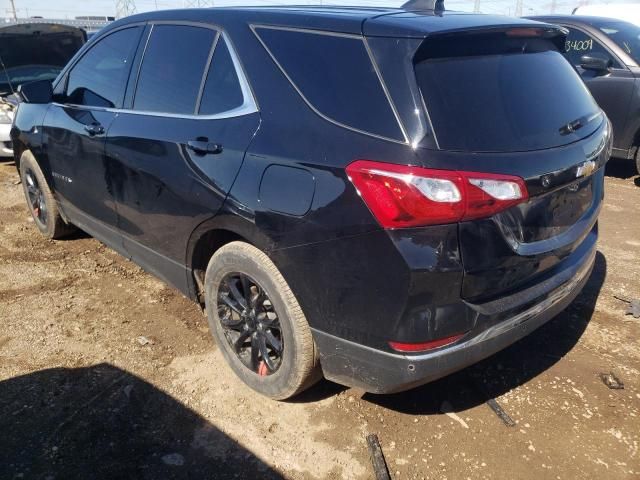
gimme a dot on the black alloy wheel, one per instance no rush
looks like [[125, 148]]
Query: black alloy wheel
[[250, 323], [37, 201]]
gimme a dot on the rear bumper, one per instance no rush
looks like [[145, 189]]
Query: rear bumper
[[508, 319]]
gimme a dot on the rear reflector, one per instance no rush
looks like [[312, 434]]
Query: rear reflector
[[424, 346], [402, 196]]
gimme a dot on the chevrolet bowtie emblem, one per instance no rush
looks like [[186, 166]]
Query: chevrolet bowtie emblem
[[585, 169]]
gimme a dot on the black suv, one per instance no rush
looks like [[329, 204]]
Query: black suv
[[379, 196], [606, 53]]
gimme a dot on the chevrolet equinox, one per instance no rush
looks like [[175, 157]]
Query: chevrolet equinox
[[378, 196]]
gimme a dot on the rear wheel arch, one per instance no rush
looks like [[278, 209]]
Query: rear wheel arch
[[212, 235]]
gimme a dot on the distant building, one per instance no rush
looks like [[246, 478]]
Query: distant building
[[97, 18], [89, 23]]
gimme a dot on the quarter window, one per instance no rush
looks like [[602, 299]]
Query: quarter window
[[172, 69], [222, 91], [579, 43], [99, 79], [335, 75]]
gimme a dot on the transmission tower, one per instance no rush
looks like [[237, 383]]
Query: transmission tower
[[125, 8], [198, 3], [476, 6], [518, 8]]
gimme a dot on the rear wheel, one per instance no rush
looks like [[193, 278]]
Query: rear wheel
[[638, 160], [42, 205], [258, 323]]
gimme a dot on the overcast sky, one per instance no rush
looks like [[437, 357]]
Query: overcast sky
[[72, 8]]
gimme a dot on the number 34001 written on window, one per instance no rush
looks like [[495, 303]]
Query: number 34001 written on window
[[578, 45]]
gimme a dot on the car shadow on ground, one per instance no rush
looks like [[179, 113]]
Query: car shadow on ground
[[621, 168], [509, 368], [102, 422]]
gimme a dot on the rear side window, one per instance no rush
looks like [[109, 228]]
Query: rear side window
[[172, 69], [498, 94], [336, 77], [100, 77], [222, 91]]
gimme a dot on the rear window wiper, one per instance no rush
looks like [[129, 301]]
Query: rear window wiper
[[578, 123]]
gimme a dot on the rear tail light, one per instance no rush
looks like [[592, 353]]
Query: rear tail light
[[401, 196]]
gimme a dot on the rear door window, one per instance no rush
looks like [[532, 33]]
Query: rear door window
[[334, 74], [484, 95], [172, 69], [100, 77]]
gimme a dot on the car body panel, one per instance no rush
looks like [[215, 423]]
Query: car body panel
[[163, 190]]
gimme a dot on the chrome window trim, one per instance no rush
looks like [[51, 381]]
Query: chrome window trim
[[254, 27], [236, 112], [248, 106]]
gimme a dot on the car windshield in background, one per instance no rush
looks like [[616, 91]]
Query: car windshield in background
[[27, 73], [626, 35]]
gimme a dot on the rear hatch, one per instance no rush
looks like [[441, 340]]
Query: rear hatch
[[502, 99]]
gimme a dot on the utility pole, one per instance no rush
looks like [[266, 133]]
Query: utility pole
[[476, 6], [13, 11], [124, 8], [518, 8]]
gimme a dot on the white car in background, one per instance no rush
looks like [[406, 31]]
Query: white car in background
[[629, 12]]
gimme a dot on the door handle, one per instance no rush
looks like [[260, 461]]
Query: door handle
[[94, 129], [203, 147]]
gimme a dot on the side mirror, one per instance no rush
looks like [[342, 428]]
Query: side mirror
[[40, 91], [595, 62]]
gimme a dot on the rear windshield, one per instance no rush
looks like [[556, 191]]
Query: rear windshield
[[503, 95]]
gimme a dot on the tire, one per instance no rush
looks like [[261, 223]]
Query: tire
[[638, 160], [285, 373], [42, 205]]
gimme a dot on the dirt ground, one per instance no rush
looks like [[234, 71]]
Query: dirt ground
[[105, 372]]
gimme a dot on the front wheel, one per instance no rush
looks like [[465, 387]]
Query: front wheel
[[258, 323], [42, 205]]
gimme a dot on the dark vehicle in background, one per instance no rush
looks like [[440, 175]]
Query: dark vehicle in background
[[606, 52], [380, 196], [31, 52]]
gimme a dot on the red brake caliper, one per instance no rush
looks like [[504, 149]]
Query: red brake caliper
[[262, 369]]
